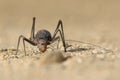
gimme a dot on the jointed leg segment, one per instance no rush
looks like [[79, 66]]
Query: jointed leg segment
[[33, 30], [24, 39]]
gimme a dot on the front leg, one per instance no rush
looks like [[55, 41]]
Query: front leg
[[24, 39]]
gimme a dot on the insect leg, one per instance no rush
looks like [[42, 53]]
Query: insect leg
[[33, 30], [60, 25], [56, 39], [18, 44], [24, 39], [24, 45]]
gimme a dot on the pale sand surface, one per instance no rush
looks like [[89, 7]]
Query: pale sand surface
[[91, 21]]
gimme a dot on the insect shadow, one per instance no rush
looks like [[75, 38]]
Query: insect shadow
[[78, 49]]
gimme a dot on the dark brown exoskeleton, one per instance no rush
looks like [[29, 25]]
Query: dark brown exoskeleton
[[43, 37]]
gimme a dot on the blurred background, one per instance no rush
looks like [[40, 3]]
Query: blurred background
[[94, 21]]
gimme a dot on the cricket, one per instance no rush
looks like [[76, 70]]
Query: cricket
[[43, 37]]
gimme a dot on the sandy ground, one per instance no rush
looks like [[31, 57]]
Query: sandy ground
[[91, 21]]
